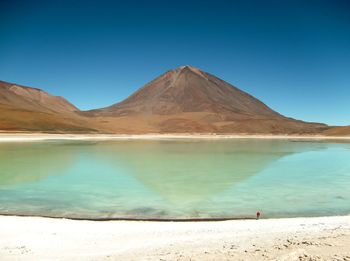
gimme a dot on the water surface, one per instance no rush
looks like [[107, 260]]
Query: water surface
[[175, 178]]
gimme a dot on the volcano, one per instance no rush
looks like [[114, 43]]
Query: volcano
[[185, 90], [188, 99]]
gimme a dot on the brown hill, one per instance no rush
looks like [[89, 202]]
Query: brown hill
[[33, 99], [31, 109], [189, 100], [338, 131]]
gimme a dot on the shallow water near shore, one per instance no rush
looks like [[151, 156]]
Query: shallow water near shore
[[175, 179]]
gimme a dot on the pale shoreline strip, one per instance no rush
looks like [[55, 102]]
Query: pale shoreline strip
[[23, 137], [36, 238]]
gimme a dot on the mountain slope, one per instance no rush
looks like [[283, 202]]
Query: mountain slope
[[338, 131], [31, 109], [187, 99], [33, 99]]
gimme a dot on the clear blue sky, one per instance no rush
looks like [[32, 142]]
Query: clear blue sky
[[293, 55]]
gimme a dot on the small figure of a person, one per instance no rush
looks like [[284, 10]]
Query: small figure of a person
[[257, 215]]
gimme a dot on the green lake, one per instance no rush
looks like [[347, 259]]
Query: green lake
[[175, 179]]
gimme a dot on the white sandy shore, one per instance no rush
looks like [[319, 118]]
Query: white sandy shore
[[35, 238], [12, 137]]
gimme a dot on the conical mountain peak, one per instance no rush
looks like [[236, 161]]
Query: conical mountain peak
[[188, 89], [187, 99], [189, 68]]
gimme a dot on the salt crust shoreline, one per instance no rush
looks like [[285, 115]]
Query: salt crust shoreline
[[22, 137], [36, 238]]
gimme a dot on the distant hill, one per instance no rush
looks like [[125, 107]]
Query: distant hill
[[338, 131], [183, 100], [31, 109], [32, 99]]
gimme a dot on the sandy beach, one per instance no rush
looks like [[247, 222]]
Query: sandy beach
[[35, 238], [12, 137]]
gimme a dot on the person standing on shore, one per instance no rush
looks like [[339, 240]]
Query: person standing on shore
[[257, 215]]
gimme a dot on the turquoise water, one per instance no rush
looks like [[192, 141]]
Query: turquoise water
[[175, 178]]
